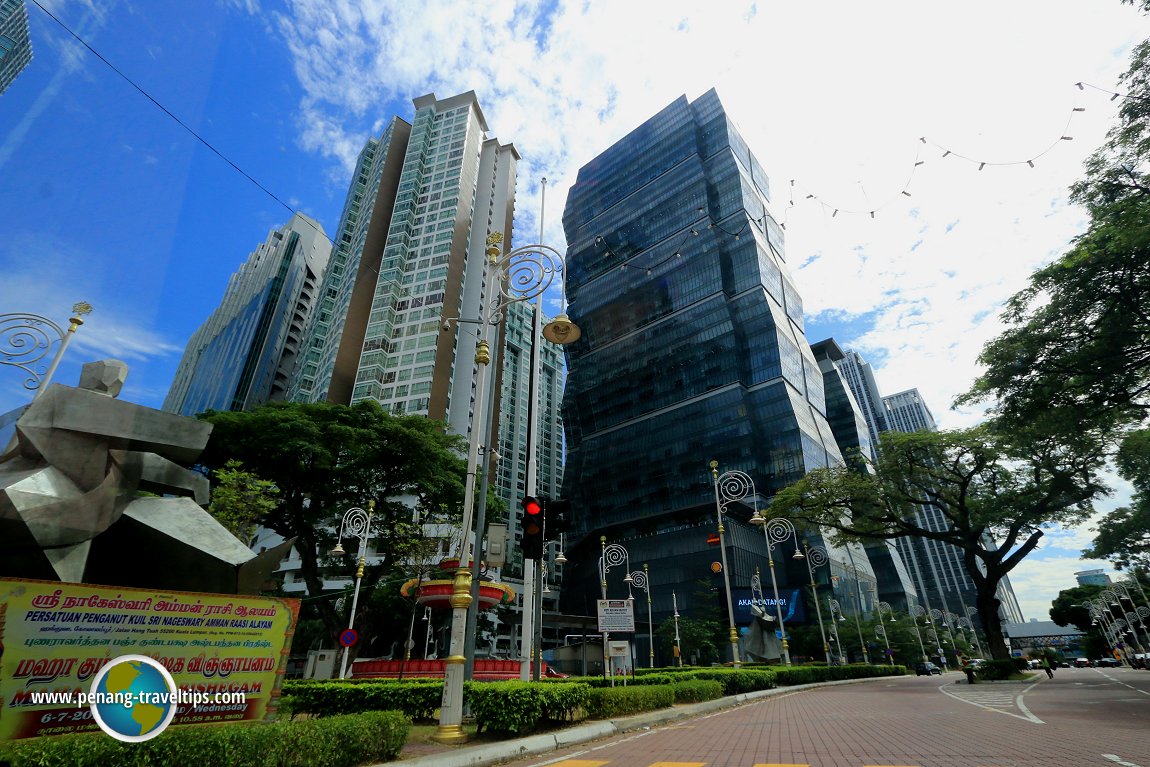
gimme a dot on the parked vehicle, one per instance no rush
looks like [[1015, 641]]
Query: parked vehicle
[[1107, 662], [926, 669]]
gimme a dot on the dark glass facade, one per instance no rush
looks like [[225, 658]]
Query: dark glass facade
[[693, 350]]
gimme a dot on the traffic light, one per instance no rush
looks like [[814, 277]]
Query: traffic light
[[532, 527], [558, 518]]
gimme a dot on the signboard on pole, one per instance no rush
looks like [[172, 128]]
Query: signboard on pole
[[618, 649], [616, 614]]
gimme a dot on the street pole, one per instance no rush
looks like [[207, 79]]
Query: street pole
[[733, 482], [356, 523], [817, 557]]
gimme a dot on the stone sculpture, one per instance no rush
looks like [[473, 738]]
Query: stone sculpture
[[74, 496]]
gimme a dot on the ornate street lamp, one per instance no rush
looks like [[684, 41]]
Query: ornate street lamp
[[858, 592], [678, 647], [835, 607], [356, 524], [26, 339], [613, 555], [817, 557], [519, 275], [940, 619], [916, 612], [775, 531], [880, 607], [639, 580], [974, 631], [731, 487]]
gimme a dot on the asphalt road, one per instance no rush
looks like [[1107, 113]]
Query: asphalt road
[[1080, 718]]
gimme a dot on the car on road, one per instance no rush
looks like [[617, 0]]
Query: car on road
[[1107, 663], [1081, 663], [927, 668]]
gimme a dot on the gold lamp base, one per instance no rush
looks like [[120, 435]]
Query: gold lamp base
[[450, 734]]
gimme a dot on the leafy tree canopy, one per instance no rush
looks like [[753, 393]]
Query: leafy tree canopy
[[326, 458], [974, 489], [240, 499]]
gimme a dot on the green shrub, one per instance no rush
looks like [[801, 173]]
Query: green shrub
[[340, 741], [562, 703], [510, 707], [697, 690], [736, 681], [997, 669], [419, 700], [608, 702]]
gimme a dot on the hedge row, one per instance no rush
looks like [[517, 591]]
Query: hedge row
[[609, 702], [341, 741], [793, 675], [419, 700], [514, 707]]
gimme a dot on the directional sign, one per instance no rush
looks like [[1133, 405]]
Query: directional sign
[[348, 638]]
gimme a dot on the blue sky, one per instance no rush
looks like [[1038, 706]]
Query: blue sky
[[105, 198]]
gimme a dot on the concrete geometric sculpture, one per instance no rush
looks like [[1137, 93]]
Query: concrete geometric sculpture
[[71, 507]]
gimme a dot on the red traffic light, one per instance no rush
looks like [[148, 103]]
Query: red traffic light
[[531, 507]]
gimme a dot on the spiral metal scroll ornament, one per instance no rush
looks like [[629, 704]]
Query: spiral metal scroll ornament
[[837, 608], [530, 271], [734, 486], [884, 607], [779, 530], [613, 555], [355, 523], [964, 623], [25, 341], [639, 579], [918, 611], [817, 556], [1144, 612]]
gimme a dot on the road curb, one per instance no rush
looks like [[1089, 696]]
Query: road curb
[[494, 753]]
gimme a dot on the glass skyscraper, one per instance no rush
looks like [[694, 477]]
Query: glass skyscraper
[[693, 350], [245, 351], [15, 43]]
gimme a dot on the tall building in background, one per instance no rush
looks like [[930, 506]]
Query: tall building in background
[[860, 378], [845, 415], [1093, 578], [692, 350], [15, 43], [409, 254], [515, 412], [939, 567], [243, 354]]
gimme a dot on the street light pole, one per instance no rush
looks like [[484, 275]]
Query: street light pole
[[916, 611], [529, 270], [641, 581], [678, 647], [735, 486], [24, 341], [775, 531], [356, 524], [834, 606], [817, 557], [879, 608], [612, 555], [857, 595]]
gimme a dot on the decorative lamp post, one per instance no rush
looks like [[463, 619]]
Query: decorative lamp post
[[940, 619], [518, 275], [356, 524], [880, 607], [775, 531], [640, 581], [835, 607], [974, 631], [916, 612], [678, 647], [613, 555], [26, 339], [733, 486], [858, 592], [817, 557]]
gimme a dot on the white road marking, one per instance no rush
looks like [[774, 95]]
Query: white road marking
[[996, 698], [1118, 760]]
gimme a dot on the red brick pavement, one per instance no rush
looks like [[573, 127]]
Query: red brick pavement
[[1085, 715]]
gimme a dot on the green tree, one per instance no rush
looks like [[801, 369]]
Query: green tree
[[1068, 609], [240, 499], [1123, 535], [993, 497], [325, 458]]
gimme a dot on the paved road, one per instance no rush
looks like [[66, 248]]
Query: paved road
[[1080, 718]]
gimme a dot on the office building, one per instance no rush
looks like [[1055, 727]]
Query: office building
[[860, 378], [1093, 578], [243, 355], [693, 350], [15, 43]]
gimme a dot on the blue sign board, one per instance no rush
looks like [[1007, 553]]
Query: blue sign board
[[790, 600]]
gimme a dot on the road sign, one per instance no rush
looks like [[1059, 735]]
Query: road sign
[[348, 638], [616, 614], [618, 649]]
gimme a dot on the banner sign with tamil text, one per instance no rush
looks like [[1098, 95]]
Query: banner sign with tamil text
[[56, 637]]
